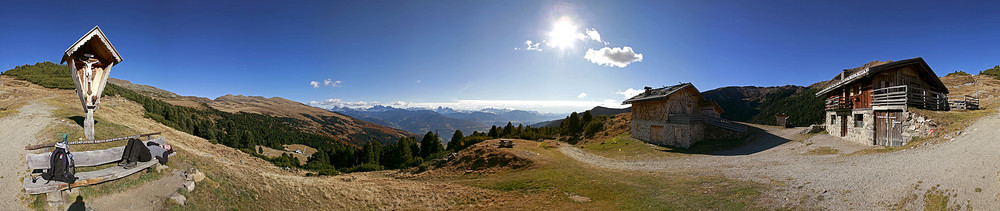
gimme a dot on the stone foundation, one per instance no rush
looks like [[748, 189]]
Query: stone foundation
[[677, 135]]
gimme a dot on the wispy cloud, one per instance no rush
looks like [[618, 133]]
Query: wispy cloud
[[581, 95], [327, 82], [592, 33], [629, 93], [467, 86], [418, 81], [618, 57], [530, 46]]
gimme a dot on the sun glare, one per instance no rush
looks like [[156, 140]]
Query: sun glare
[[563, 33]]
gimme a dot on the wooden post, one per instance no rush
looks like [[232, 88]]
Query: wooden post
[[88, 125]]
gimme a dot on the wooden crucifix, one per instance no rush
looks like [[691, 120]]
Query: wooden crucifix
[[90, 60]]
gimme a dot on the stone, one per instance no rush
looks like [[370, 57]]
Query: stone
[[189, 185], [198, 175], [54, 197], [194, 174], [160, 168], [177, 198], [920, 119]]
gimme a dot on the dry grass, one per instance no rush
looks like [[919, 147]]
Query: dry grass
[[823, 151], [560, 182], [624, 147]]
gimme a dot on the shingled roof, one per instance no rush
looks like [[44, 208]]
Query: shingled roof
[[849, 76], [657, 94]]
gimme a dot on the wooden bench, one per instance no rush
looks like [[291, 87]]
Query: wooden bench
[[40, 162]]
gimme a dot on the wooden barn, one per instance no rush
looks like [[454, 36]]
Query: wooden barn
[[868, 104], [678, 116]]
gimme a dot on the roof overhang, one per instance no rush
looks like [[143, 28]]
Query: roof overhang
[[103, 45], [935, 81], [639, 98]]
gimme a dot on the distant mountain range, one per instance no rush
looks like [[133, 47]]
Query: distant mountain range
[[309, 119], [443, 120], [596, 111]]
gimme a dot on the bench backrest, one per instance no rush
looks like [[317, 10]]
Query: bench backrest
[[83, 158]]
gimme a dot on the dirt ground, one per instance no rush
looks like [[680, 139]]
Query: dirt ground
[[29, 120], [965, 169]]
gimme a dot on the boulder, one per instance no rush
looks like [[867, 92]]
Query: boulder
[[177, 198], [194, 174], [189, 185]]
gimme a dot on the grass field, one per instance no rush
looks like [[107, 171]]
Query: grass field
[[560, 182]]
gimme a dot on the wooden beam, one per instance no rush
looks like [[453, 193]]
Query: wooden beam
[[39, 146]]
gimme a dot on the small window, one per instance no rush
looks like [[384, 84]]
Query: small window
[[859, 120], [833, 118]]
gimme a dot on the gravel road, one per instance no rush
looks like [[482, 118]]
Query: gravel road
[[861, 182], [16, 131]]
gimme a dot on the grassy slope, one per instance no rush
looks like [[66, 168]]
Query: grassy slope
[[555, 177]]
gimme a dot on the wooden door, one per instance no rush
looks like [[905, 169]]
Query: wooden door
[[889, 128], [843, 125], [656, 133]]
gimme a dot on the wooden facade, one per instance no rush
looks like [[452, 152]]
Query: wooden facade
[[675, 116], [869, 104]]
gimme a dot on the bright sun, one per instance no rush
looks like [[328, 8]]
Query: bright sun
[[563, 33]]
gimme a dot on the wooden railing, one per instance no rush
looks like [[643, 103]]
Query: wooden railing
[[909, 96], [965, 102], [838, 103]]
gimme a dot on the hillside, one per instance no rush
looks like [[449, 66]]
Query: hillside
[[759, 104], [596, 111], [311, 119]]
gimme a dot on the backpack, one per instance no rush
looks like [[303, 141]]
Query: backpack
[[61, 166]]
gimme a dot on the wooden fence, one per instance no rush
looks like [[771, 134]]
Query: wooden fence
[[959, 102]]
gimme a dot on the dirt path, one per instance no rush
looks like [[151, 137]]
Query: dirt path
[[17, 131], [149, 196], [863, 182]]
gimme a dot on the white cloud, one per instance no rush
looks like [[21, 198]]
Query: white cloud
[[314, 84], [618, 57], [581, 36], [629, 93], [531, 46], [549, 106], [329, 82], [418, 81], [592, 33], [330, 103], [581, 95]]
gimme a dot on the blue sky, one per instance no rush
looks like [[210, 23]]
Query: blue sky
[[472, 54]]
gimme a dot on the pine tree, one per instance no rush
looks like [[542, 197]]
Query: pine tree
[[587, 117], [456, 141], [573, 123], [508, 130], [493, 132], [429, 145]]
